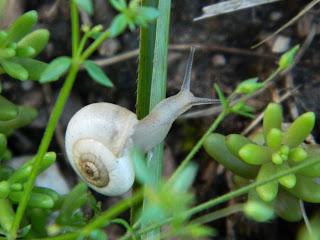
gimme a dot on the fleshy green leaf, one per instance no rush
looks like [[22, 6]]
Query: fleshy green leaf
[[55, 69], [255, 154], [34, 67], [299, 129], [8, 111], [272, 118], [258, 211], [86, 5], [38, 39], [185, 178], [268, 191], [14, 70], [97, 74], [22, 26]]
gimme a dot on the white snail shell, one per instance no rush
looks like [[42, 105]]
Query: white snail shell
[[97, 140], [100, 135]]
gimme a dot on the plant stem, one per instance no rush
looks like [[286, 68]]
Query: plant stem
[[198, 145], [45, 142], [74, 27], [221, 213]]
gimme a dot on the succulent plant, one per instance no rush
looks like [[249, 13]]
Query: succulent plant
[[273, 150]]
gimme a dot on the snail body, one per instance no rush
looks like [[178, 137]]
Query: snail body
[[99, 137]]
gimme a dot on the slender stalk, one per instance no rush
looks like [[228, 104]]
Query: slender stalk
[[93, 47], [74, 27], [198, 145], [221, 213], [45, 142]]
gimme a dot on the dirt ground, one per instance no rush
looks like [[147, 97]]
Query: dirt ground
[[224, 57]]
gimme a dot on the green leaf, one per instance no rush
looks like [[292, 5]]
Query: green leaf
[[118, 25], [14, 70], [141, 169], [120, 5], [22, 26], [272, 118], [34, 67], [185, 179], [25, 52], [299, 129], [268, 191], [148, 13], [255, 154], [274, 138], [38, 39], [8, 111], [97, 74], [85, 5], [55, 69], [258, 211]]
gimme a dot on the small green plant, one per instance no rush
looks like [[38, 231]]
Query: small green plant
[[273, 150], [19, 45]]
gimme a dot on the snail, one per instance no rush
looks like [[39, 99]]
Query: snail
[[99, 137]]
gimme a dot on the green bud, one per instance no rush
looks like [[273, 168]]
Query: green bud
[[25, 52], [37, 200], [288, 181], [7, 53], [287, 58], [16, 187], [299, 129], [274, 139], [277, 159], [97, 28], [249, 86], [255, 154], [258, 211], [272, 118], [21, 174], [37, 40], [268, 191], [85, 28], [4, 189], [298, 154]]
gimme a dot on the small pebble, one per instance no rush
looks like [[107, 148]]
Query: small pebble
[[281, 44], [218, 60]]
